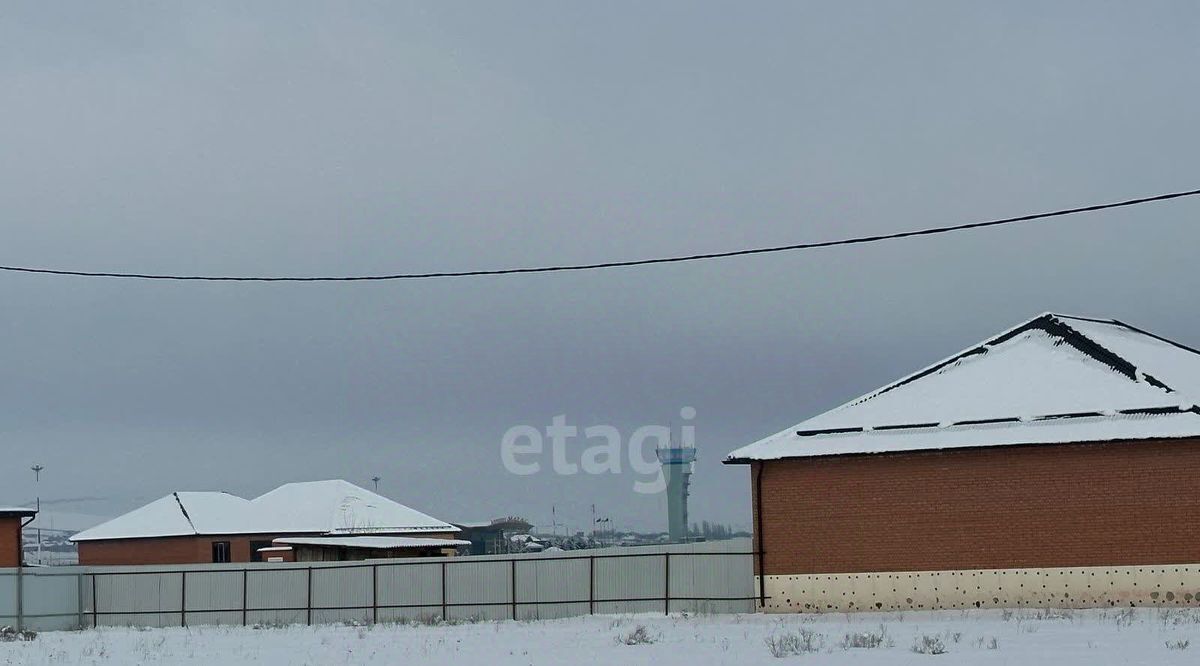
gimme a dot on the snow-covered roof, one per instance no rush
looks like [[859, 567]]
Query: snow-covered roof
[[340, 507], [1053, 379], [17, 511], [314, 507], [374, 542], [176, 514]]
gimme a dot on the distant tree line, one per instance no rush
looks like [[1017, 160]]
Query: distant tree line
[[715, 531]]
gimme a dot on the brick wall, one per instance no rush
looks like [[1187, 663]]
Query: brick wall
[[172, 550], [162, 550], [1001, 507], [10, 542]]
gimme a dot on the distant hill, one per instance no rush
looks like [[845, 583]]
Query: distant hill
[[57, 528]]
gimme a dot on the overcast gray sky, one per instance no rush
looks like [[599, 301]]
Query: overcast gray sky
[[296, 138]]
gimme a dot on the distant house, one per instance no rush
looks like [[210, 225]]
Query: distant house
[[1054, 464], [12, 519], [492, 537], [197, 527]]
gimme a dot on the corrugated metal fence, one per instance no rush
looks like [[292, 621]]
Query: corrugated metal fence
[[714, 577]]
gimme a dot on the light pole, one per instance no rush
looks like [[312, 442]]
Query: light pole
[[37, 477]]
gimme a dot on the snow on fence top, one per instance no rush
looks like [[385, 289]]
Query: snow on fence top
[[1053, 379], [314, 507]]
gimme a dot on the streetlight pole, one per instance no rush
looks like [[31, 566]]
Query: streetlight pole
[[37, 477]]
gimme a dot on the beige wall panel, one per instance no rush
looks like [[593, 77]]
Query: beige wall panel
[[1068, 587]]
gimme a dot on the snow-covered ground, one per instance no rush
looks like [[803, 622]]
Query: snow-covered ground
[[970, 637]]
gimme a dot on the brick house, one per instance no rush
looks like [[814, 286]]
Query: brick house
[[12, 520], [199, 527], [1052, 465]]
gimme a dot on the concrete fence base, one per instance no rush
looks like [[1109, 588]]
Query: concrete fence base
[[1066, 587]]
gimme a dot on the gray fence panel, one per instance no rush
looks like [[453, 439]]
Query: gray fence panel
[[214, 597], [712, 584], [550, 589], [478, 590], [213, 590], [141, 599], [704, 578], [51, 600], [8, 598], [342, 595], [277, 596], [409, 592], [635, 584], [89, 601]]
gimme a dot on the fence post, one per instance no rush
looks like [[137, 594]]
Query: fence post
[[667, 583], [513, 587], [95, 604], [374, 594], [245, 596], [591, 584], [444, 618], [20, 595], [183, 598], [308, 602], [79, 596]]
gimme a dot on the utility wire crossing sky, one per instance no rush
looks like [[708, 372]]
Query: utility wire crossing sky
[[619, 264]]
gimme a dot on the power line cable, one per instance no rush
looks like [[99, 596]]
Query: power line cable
[[613, 264]]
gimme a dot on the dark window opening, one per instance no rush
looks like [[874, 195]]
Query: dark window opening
[[220, 551]]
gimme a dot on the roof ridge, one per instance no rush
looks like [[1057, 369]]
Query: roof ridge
[[1096, 320], [183, 510], [1126, 366], [1160, 338], [1106, 355], [977, 348]]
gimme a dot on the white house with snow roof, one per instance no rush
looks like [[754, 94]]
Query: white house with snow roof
[[337, 519], [1060, 447]]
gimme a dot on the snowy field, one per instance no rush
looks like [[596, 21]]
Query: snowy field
[[1142, 636]]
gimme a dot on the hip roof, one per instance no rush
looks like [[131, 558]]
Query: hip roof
[[1053, 379], [313, 507]]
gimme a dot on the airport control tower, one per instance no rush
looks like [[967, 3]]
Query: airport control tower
[[677, 470]]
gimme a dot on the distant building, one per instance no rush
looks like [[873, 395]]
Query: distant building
[[493, 537], [1053, 464], [318, 516], [12, 519]]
